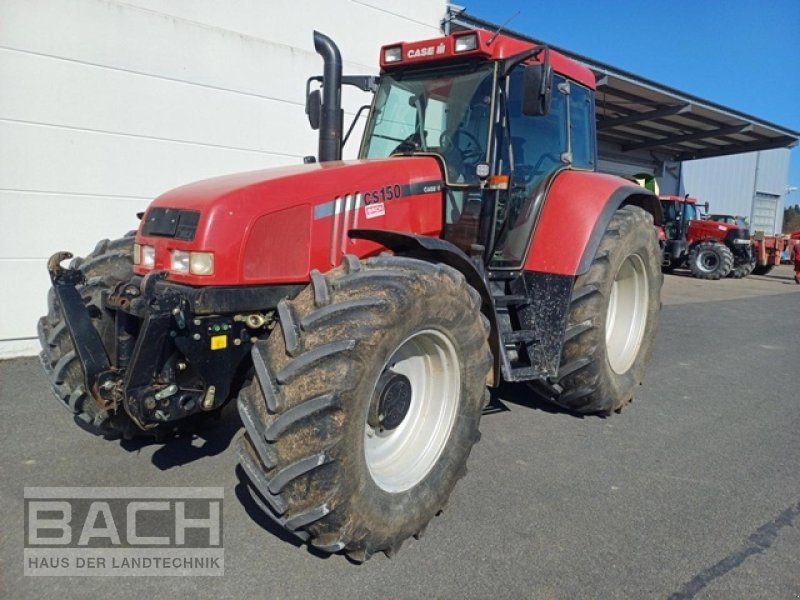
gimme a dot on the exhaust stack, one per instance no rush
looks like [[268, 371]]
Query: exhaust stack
[[330, 130]]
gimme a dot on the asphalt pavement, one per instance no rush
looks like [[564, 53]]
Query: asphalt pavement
[[692, 492]]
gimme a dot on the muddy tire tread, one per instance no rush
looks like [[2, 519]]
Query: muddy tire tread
[[301, 422]]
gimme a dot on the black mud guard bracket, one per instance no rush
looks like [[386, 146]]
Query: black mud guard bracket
[[436, 250], [85, 338]]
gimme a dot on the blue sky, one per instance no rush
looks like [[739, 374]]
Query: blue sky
[[742, 54]]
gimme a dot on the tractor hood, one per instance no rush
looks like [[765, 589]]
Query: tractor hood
[[715, 229], [275, 225]]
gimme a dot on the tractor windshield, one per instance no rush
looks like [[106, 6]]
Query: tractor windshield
[[446, 112], [672, 211]]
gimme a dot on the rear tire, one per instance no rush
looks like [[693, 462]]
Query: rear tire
[[108, 264], [325, 461], [613, 317], [710, 260]]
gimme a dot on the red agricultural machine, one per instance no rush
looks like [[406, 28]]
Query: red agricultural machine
[[711, 249], [357, 310], [768, 250]]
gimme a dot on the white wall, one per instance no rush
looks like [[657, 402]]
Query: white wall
[[725, 182], [105, 104]]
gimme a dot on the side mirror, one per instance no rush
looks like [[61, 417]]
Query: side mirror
[[314, 108], [537, 89]]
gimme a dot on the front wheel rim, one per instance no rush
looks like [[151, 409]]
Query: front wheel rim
[[626, 317], [398, 459]]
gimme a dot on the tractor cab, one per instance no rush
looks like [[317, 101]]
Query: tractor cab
[[501, 117], [679, 213]]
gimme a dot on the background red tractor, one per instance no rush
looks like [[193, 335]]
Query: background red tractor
[[357, 310], [711, 249]]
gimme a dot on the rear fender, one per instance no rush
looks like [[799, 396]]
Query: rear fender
[[436, 250], [575, 215]]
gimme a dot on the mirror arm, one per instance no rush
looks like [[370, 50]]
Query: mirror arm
[[513, 61], [353, 124], [366, 83]]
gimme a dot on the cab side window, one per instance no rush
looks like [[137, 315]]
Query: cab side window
[[581, 126], [537, 141], [540, 145]]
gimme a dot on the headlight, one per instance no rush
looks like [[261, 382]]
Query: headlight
[[465, 43], [201, 263], [391, 55], [196, 263], [147, 256], [179, 262]]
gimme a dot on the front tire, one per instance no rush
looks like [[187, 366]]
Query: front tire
[[613, 316], [365, 403], [710, 260]]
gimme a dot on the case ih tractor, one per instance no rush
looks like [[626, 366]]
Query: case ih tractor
[[711, 249], [357, 310]]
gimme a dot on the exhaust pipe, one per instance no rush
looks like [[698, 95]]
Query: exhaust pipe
[[330, 130]]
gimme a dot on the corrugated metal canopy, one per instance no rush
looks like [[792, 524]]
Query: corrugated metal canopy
[[636, 114]]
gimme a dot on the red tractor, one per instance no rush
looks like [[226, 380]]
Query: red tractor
[[711, 249], [357, 310]]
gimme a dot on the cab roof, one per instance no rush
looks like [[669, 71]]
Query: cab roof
[[489, 46]]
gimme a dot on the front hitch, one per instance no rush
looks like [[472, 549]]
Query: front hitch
[[85, 339]]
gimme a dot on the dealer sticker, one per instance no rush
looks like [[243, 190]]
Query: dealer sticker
[[375, 210]]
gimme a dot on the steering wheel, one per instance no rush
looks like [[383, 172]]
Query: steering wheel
[[461, 150], [410, 144]]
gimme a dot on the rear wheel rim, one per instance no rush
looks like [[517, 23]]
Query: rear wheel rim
[[626, 317], [398, 459]]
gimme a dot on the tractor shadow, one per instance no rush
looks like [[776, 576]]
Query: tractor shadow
[[210, 437], [782, 279], [215, 434], [525, 396], [679, 272]]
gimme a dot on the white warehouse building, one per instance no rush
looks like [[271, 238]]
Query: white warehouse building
[[751, 185], [104, 105]]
